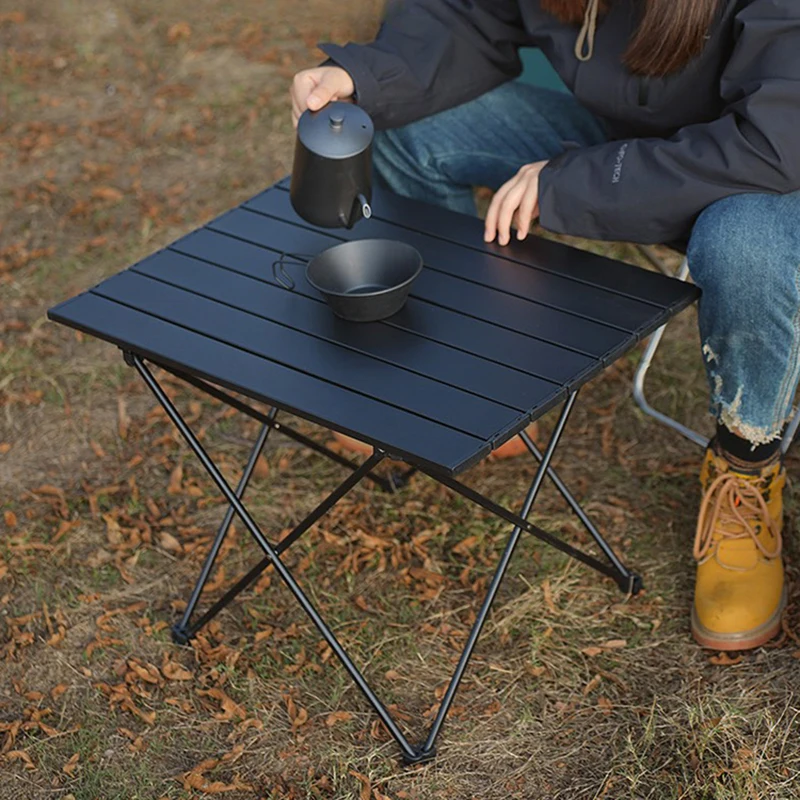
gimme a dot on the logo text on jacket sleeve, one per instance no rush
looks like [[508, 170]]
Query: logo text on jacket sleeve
[[617, 174]]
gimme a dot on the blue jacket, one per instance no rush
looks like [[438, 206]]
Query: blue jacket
[[728, 123]]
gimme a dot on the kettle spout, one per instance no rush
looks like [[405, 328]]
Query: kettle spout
[[361, 209]]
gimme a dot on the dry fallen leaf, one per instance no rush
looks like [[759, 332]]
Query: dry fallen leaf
[[261, 469], [169, 542], [338, 716], [614, 644], [174, 671], [592, 685], [366, 785], [724, 660], [10, 518], [178, 31], [264, 634], [97, 449], [107, 193], [604, 705], [113, 531], [20, 755], [124, 420], [196, 780], [230, 708], [147, 672], [548, 596], [72, 765], [291, 708], [57, 691], [592, 651], [176, 480], [301, 718]]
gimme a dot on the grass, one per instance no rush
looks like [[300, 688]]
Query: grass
[[123, 126]]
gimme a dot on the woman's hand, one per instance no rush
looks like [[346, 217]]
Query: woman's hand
[[515, 203], [314, 88]]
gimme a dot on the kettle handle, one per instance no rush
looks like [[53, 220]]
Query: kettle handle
[[279, 272]]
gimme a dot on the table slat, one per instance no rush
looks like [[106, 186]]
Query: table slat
[[464, 297], [306, 311], [554, 257], [505, 347], [486, 269], [399, 432], [375, 379]]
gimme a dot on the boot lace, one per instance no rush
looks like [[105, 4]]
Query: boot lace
[[729, 510]]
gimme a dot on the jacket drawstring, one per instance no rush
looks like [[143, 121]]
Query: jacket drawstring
[[584, 45]]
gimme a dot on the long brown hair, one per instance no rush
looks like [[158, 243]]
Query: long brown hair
[[670, 33]]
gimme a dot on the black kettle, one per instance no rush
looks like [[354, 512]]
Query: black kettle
[[332, 174]]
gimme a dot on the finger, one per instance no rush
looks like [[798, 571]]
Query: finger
[[509, 206], [490, 223], [297, 104], [527, 208], [324, 92], [296, 112], [490, 229], [302, 85]]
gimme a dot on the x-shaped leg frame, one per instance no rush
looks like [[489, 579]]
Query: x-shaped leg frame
[[626, 580]]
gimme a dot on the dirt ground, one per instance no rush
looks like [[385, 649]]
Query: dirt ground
[[122, 126]]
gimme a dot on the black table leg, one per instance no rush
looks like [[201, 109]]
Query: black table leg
[[427, 750], [182, 631], [271, 553], [635, 585], [626, 580], [326, 505]]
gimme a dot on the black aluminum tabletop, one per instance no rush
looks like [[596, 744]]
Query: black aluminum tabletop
[[490, 339]]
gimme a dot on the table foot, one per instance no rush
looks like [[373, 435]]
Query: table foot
[[181, 635], [631, 584], [421, 756]]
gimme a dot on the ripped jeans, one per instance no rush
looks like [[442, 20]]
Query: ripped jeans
[[744, 251]]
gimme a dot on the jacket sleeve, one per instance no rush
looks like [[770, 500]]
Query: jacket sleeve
[[431, 55], [652, 190]]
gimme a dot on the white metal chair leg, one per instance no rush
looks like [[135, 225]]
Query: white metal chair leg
[[647, 359], [790, 432], [641, 372], [649, 252]]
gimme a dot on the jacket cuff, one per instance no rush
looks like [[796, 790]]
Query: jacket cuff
[[367, 89], [550, 217]]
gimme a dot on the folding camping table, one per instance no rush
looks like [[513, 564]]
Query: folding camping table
[[491, 338]]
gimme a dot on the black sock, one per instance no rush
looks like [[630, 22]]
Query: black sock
[[744, 451]]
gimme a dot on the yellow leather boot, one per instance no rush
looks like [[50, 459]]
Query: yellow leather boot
[[739, 595]]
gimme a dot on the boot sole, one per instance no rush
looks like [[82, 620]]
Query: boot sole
[[747, 640]]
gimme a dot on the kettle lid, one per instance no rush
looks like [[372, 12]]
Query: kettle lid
[[338, 130]]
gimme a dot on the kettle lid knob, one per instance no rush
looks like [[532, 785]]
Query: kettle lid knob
[[339, 130]]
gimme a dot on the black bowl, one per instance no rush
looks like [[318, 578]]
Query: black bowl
[[365, 280]]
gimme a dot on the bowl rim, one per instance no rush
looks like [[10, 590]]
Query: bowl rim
[[380, 292]]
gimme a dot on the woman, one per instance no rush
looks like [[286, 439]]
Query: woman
[[682, 128]]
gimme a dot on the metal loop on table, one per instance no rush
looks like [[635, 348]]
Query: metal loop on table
[[279, 267]]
